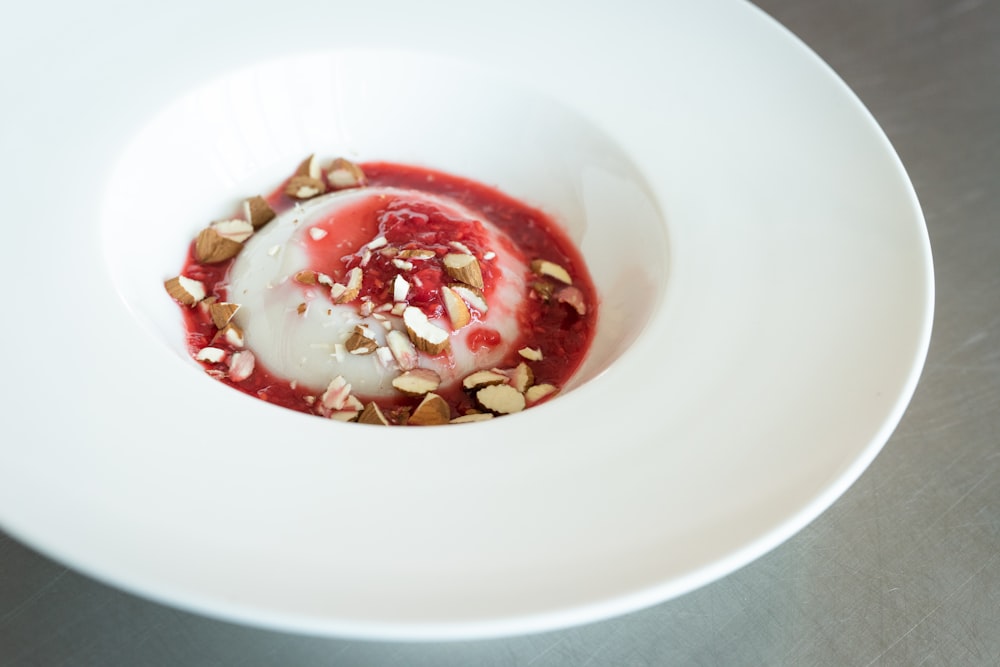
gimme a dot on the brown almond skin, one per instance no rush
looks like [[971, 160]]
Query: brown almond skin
[[372, 415], [211, 248], [433, 410]]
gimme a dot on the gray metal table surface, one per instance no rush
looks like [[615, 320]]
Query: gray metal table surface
[[903, 570]]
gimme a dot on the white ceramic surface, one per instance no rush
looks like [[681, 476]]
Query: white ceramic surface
[[782, 340]]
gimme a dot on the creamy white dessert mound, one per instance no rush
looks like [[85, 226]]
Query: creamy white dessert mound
[[289, 277]]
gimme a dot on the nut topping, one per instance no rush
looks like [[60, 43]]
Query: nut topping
[[501, 399], [235, 230], [417, 382], [210, 247], [402, 349], [481, 379], [336, 395], [360, 342], [345, 174], [309, 168], [258, 212], [464, 268], [471, 296], [457, 311], [521, 377], [427, 337], [472, 417], [349, 292], [400, 288], [372, 414], [432, 410], [531, 353], [185, 290], [544, 267], [304, 187], [572, 297], [538, 392], [210, 355], [222, 313], [241, 365]]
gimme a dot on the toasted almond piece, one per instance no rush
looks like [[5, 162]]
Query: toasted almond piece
[[471, 296], [345, 174], [235, 230], [349, 292], [521, 377], [377, 242], [417, 253], [210, 247], [501, 399], [427, 337], [309, 167], [464, 268], [210, 355], [302, 308], [531, 353], [184, 290], [417, 382], [573, 297], [312, 278], [304, 187], [481, 379], [258, 212], [344, 415], [402, 349], [232, 334], [372, 414], [432, 410], [336, 394], [472, 417], [461, 247], [458, 312], [359, 342], [538, 392], [402, 264], [353, 403], [384, 356], [400, 288], [317, 233], [398, 308], [544, 267], [222, 312], [241, 365]]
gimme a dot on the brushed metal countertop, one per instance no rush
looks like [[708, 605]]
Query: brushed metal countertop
[[903, 570]]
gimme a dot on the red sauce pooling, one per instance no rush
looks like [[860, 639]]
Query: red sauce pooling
[[557, 328]]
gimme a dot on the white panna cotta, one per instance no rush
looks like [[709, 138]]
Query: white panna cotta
[[351, 263]]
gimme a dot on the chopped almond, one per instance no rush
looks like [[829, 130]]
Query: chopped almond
[[417, 382], [432, 410], [464, 268], [349, 292], [531, 353], [471, 296], [544, 267], [309, 167], [210, 247], [483, 379], [210, 355], [400, 288], [372, 414], [344, 415], [416, 253], [543, 289], [538, 392], [501, 399], [472, 417], [521, 377], [345, 174], [234, 230], [360, 342], [402, 349], [336, 395], [457, 311], [241, 365], [258, 212], [184, 290], [222, 313], [232, 334], [304, 187], [427, 337]]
